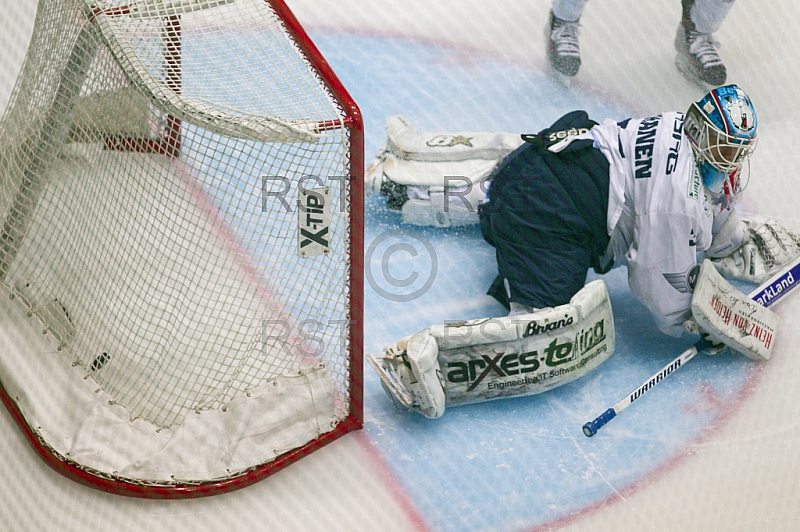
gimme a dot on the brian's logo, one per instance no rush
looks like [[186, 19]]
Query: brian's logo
[[533, 328]]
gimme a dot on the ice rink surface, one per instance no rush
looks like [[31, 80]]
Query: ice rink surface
[[713, 448]]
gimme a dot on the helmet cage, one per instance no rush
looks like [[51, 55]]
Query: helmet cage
[[724, 152]]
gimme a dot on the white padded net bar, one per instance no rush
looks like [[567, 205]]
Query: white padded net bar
[[151, 159]]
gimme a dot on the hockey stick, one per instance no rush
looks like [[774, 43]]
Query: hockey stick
[[767, 294]]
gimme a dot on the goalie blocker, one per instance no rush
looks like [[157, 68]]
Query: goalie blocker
[[732, 318], [481, 360]]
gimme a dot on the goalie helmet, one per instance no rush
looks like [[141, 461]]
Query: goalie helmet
[[722, 130]]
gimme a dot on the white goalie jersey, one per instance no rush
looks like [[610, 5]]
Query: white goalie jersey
[[659, 215]]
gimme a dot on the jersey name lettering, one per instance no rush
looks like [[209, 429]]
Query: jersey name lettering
[[645, 141], [677, 135]]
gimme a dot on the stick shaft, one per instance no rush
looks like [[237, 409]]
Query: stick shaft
[[769, 293]]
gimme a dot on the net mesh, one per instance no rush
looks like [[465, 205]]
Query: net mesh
[[152, 155]]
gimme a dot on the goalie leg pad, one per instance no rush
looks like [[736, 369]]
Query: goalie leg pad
[[528, 354], [451, 170], [731, 317], [482, 360], [407, 143], [443, 207]]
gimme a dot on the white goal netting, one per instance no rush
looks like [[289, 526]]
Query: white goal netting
[[176, 206]]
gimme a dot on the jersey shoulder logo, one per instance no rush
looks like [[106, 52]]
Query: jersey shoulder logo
[[684, 282]]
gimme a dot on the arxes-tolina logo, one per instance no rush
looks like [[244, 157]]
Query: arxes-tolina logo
[[501, 365]]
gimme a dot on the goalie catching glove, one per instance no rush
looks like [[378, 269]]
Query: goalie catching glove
[[764, 247], [493, 358]]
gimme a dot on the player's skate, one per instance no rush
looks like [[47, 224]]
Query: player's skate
[[385, 366], [697, 56], [562, 47], [410, 374]]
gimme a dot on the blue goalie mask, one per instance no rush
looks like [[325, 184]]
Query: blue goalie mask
[[722, 129]]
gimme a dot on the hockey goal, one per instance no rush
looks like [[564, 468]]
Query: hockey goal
[[181, 235]]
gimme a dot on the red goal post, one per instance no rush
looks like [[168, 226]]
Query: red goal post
[[165, 337]]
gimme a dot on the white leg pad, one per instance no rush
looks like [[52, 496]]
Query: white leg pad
[[451, 168], [440, 207], [492, 358], [406, 143]]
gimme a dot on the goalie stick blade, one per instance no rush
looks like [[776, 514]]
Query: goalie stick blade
[[778, 286], [767, 294], [390, 381]]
